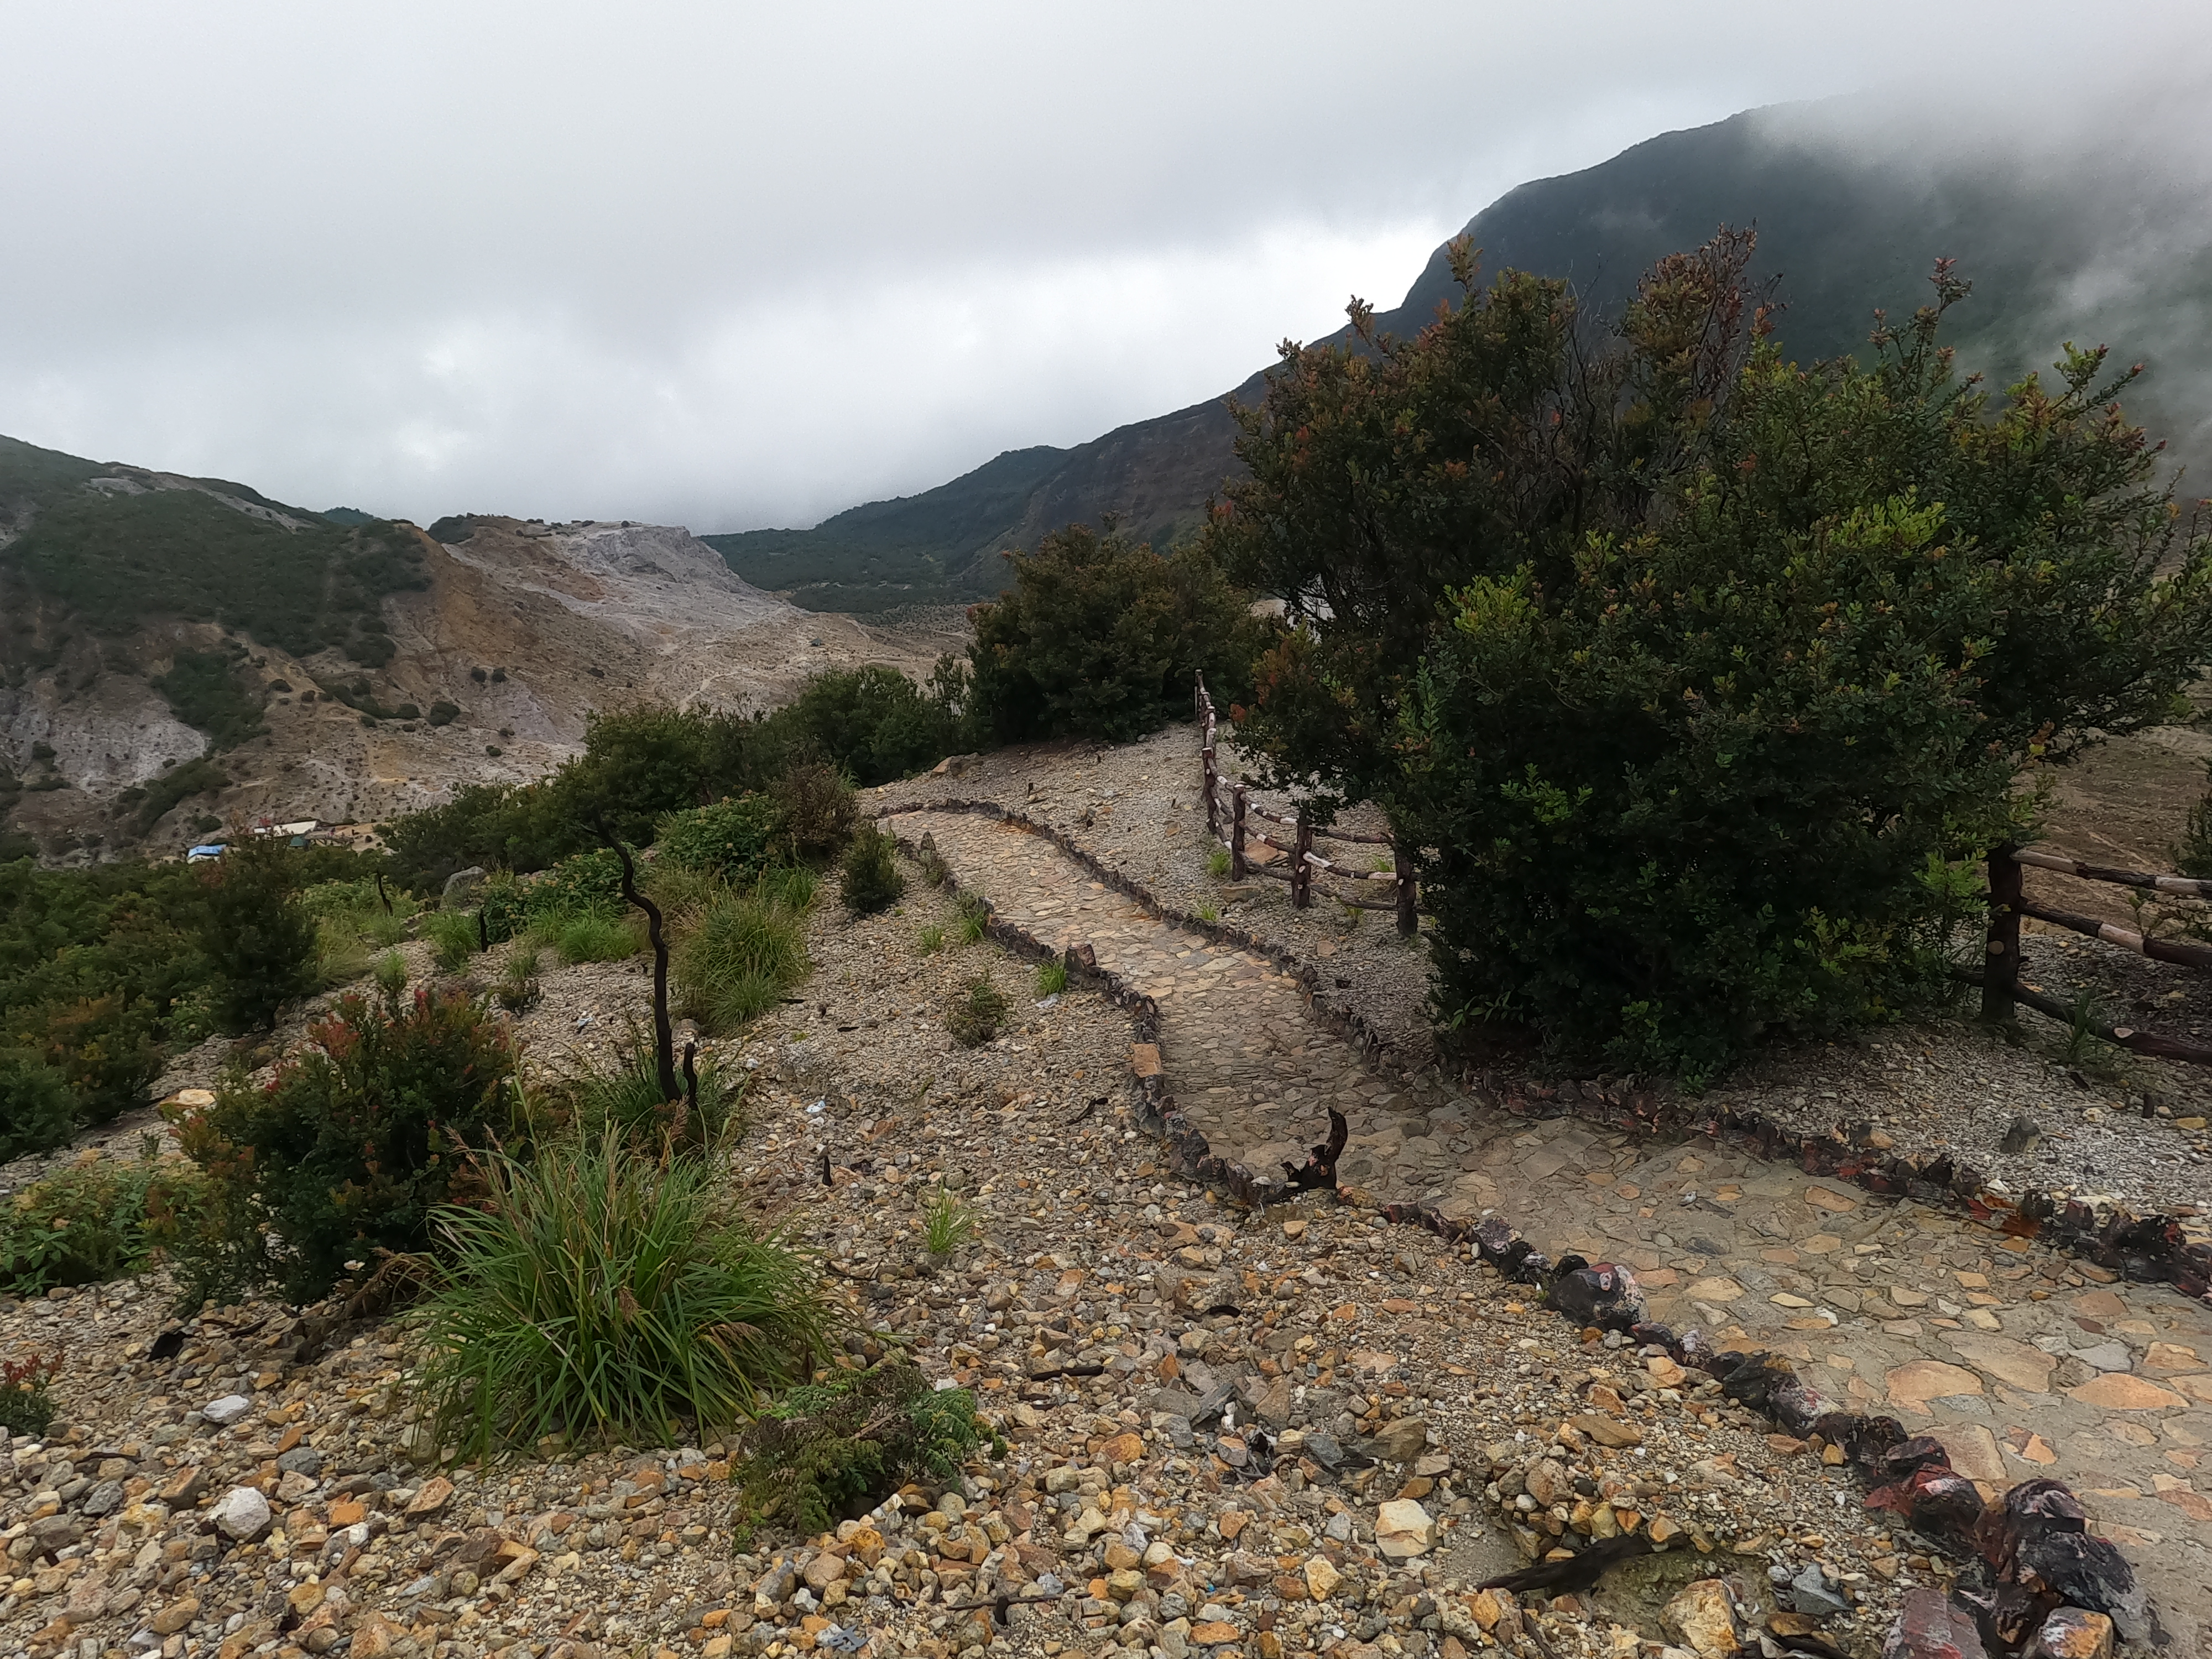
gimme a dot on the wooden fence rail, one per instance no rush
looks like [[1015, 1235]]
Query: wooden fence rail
[[1239, 835], [2009, 902]]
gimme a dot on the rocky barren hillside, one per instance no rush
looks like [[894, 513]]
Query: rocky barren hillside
[[182, 653]]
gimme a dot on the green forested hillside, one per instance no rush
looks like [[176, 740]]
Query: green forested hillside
[[1849, 219], [114, 555]]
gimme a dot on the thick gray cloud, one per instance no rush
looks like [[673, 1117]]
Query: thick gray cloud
[[732, 266]]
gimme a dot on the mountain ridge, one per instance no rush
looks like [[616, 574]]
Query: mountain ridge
[[1846, 229]]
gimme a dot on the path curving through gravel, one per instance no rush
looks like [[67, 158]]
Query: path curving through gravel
[[2023, 1362]]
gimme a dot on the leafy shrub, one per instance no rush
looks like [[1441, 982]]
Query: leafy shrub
[[86, 1224], [588, 884], [2193, 856], [816, 808], [827, 1451], [1099, 637], [27, 1407], [594, 937], [1700, 669], [604, 1294], [869, 878], [255, 934], [746, 952], [443, 713], [358, 1139], [973, 1020], [872, 723], [38, 1108], [731, 838], [454, 937]]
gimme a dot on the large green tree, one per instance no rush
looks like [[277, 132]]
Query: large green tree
[[1691, 668]]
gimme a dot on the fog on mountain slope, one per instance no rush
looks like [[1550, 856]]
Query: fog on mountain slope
[[2088, 222]]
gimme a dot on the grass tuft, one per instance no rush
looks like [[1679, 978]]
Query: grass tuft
[[931, 939], [1051, 977], [1218, 862], [453, 938], [975, 918], [591, 937], [603, 1294], [946, 1222], [746, 951]]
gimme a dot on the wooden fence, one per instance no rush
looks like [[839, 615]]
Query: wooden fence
[[2008, 902], [1241, 816]]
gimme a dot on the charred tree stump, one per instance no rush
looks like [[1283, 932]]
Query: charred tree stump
[[664, 1033]]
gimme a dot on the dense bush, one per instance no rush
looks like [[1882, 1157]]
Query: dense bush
[[1695, 669], [869, 878], [732, 839], [605, 1294], [255, 934], [829, 1451], [205, 689], [89, 1222], [1101, 638], [815, 810], [98, 968], [874, 724], [360, 1136]]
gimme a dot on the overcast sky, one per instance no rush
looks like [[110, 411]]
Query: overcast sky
[[732, 266]]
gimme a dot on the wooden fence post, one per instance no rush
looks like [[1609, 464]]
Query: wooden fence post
[[1409, 921], [2000, 969], [1238, 868], [1301, 871], [1212, 811]]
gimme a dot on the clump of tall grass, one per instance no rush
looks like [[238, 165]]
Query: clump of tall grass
[[602, 1293], [517, 990], [454, 938], [746, 950], [975, 918], [626, 1098], [591, 936], [931, 940], [1051, 977]]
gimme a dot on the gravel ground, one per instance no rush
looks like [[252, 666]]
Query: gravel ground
[[1290, 1432], [1137, 808], [2111, 1123]]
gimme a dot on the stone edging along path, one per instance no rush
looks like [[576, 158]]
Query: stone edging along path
[[2033, 1530], [2153, 1249]]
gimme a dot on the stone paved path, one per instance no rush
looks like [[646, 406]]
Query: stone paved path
[[2023, 1362]]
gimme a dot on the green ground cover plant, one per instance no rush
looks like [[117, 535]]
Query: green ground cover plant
[[828, 1451], [86, 1224]]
